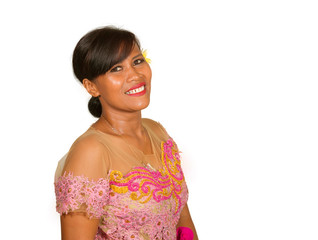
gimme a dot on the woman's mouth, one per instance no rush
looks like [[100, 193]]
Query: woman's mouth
[[137, 90]]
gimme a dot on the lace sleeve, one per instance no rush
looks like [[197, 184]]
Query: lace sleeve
[[83, 185], [79, 194]]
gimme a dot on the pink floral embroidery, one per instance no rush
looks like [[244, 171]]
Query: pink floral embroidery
[[145, 184], [75, 192], [143, 204]]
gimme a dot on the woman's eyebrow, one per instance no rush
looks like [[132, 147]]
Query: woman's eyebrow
[[137, 56]]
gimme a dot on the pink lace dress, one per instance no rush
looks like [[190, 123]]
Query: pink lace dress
[[141, 203]]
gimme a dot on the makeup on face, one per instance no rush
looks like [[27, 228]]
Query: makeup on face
[[127, 85], [137, 90]]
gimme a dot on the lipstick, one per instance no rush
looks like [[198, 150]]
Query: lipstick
[[137, 90]]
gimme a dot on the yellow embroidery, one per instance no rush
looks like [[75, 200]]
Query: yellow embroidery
[[158, 185]]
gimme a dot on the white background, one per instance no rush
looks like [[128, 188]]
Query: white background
[[234, 82]]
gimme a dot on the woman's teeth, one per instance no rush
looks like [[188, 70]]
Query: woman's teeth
[[137, 90]]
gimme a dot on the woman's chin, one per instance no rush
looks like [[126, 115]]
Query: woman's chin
[[139, 104], [142, 105]]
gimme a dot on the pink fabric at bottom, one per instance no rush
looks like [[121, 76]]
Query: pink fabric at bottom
[[184, 233]]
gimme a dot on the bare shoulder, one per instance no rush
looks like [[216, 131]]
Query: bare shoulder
[[87, 156]]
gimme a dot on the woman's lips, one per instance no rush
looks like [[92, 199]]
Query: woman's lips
[[137, 90]]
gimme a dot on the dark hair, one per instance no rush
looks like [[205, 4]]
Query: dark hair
[[98, 51]]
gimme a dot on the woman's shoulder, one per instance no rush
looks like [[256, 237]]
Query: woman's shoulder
[[87, 156], [155, 127], [93, 137], [89, 140]]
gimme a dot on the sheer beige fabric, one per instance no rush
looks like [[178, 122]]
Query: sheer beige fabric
[[95, 153], [105, 177]]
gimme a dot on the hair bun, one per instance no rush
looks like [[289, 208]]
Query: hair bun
[[95, 107], [97, 52]]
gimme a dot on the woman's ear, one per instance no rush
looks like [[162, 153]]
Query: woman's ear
[[91, 87]]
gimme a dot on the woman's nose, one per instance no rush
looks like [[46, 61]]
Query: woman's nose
[[133, 74]]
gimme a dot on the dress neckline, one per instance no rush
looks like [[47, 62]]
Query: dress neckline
[[130, 145]]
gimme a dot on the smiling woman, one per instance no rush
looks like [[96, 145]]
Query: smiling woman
[[122, 178], [126, 86]]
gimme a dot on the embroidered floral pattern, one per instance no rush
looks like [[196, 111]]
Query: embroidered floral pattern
[[142, 204], [159, 185], [75, 192]]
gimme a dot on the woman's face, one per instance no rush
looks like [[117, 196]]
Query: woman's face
[[126, 86]]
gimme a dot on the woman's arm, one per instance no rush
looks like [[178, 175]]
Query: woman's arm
[[77, 226], [186, 221], [80, 211]]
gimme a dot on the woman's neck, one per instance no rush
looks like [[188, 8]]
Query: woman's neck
[[128, 124]]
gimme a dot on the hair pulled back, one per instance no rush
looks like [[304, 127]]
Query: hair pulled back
[[98, 51]]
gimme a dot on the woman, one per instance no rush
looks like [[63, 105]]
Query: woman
[[122, 178]]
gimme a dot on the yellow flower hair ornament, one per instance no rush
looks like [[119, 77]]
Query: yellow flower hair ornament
[[144, 53]]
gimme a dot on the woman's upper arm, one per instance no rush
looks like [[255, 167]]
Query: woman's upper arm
[[82, 190], [77, 226]]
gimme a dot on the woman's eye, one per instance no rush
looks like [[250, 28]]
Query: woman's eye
[[116, 69], [138, 61]]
